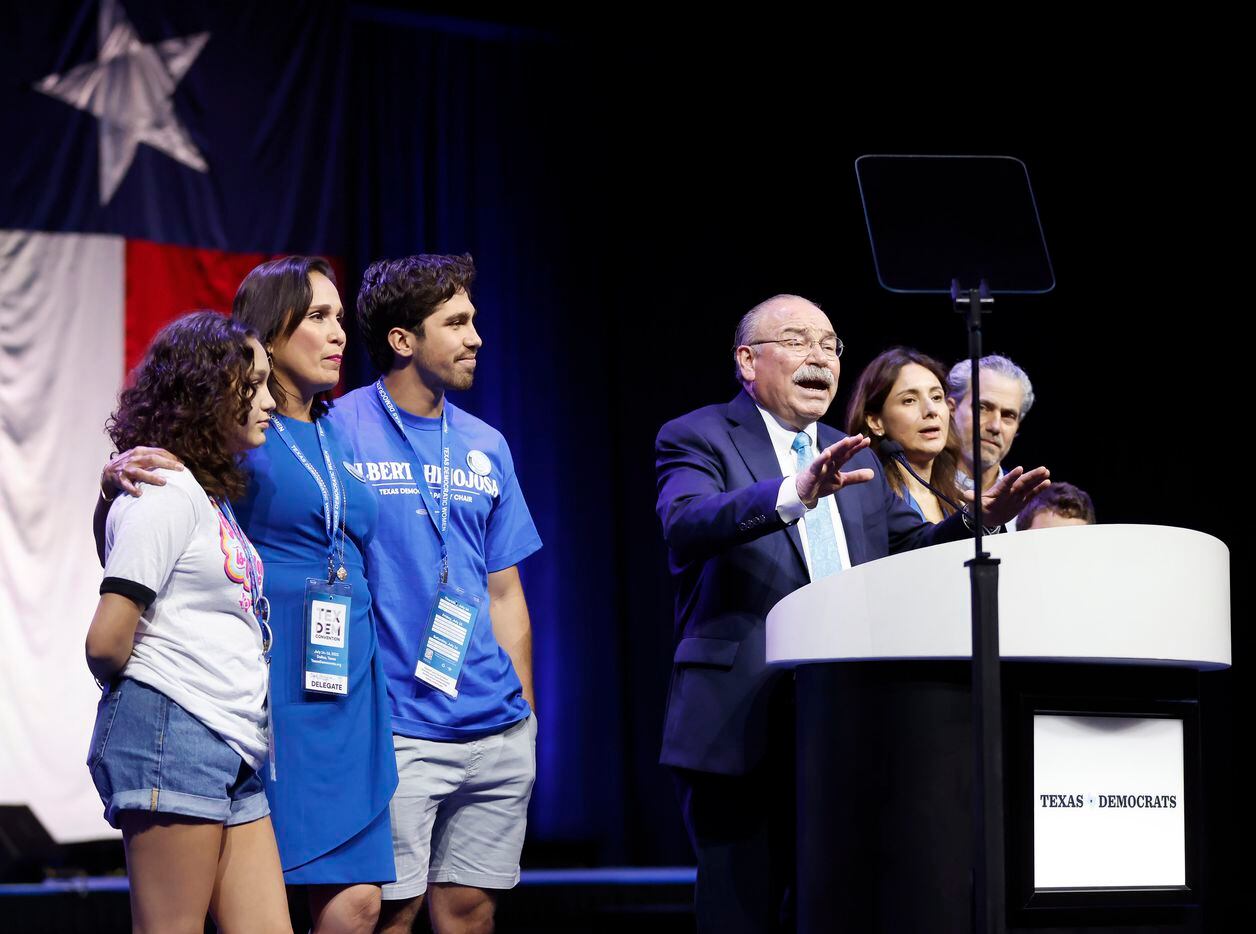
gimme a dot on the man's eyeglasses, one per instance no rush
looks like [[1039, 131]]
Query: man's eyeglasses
[[830, 347]]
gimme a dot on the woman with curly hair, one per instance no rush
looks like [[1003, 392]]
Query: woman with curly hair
[[899, 398], [179, 640], [311, 519]]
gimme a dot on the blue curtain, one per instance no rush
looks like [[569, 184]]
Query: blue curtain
[[459, 139]]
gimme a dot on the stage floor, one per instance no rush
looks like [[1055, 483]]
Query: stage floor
[[611, 900]]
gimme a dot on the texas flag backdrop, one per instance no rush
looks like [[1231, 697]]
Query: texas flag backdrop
[[156, 153]]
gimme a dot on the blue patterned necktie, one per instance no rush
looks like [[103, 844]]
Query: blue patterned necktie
[[821, 539]]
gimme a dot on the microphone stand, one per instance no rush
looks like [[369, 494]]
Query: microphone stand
[[989, 881], [899, 456]]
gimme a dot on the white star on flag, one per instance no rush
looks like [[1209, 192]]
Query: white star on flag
[[130, 89]]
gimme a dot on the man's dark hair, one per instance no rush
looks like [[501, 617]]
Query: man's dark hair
[[1063, 499], [402, 293]]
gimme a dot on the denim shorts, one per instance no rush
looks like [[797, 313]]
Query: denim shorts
[[149, 754]]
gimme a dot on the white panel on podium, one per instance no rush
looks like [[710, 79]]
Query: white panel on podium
[[1111, 593]]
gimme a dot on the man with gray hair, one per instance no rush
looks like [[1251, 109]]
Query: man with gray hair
[[758, 498], [1006, 397]]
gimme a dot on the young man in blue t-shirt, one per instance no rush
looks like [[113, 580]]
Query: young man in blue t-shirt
[[453, 624]]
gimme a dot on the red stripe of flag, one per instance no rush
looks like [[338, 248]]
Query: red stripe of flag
[[164, 282]]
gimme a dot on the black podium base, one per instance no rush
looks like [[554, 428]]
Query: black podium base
[[884, 787]]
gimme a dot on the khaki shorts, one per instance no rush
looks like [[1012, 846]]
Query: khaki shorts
[[461, 809]]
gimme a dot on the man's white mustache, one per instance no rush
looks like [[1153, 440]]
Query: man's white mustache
[[814, 374]]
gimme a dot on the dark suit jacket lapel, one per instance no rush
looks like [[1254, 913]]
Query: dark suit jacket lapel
[[848, 500], [750, 436]]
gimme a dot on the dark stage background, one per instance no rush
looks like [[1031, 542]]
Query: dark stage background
[[628, 194], [628, 190]]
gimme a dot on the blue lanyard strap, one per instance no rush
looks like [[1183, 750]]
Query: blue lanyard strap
[[334, 504], [439, 525]]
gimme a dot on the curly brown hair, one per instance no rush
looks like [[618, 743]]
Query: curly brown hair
[[871, 391], [189, 395], [401, 293]]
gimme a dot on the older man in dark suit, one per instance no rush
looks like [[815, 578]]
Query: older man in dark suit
[[758, 499]]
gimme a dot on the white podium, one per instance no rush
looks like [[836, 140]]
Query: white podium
[[1145, 594], [1112, 621]]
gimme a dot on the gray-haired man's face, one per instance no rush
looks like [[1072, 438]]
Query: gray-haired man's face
[[1001, 398]]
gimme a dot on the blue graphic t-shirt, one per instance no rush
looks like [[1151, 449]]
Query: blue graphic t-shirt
[[490, 529]]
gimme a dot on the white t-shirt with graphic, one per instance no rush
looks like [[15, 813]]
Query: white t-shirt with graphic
[[197, 640]]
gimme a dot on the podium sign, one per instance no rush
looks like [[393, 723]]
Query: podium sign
[[1109, 802]]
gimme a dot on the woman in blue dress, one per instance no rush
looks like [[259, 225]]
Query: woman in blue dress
[[310, 520], [336, 770]]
